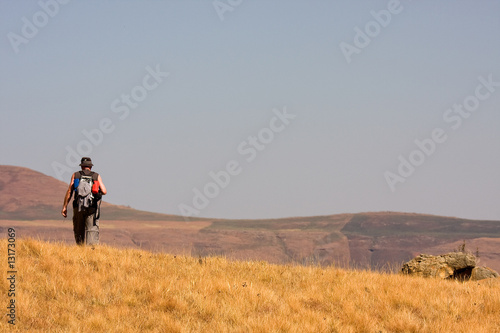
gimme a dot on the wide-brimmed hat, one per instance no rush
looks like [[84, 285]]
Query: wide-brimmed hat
[[86, 162]]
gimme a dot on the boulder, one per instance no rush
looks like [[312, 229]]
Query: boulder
[[481, 273], [451, 265]]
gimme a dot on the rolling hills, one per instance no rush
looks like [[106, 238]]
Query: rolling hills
[[26, 194], [379, 240]]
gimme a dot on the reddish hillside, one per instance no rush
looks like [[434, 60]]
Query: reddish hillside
[[26, 194]]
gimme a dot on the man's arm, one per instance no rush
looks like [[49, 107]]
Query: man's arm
[[101, 185], [67, 197]]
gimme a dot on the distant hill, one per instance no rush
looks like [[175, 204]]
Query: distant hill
[[379, 238], [31, 202], [26, 194]]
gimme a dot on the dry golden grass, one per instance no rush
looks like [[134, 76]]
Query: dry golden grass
[[64, 288]]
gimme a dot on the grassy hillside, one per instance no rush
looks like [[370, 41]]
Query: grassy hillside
[[77, 289]]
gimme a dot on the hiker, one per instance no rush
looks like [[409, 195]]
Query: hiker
[[89, 189]]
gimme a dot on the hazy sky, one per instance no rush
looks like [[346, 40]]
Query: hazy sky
[[259, 109]]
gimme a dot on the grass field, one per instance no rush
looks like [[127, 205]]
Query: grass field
[[62, 288]]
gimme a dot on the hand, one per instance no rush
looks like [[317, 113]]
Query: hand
[[64, 212]]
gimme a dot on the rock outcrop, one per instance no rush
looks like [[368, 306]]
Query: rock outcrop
[[454, 265], [481, 273]]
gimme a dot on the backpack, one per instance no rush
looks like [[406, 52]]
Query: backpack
[[86, 187]]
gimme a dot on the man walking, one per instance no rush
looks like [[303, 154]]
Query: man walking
[[89, 189]]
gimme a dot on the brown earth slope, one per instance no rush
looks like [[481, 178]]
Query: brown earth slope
[[31, 203], [26, 194]]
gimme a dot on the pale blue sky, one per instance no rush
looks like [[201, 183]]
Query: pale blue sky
[[352, 119]]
